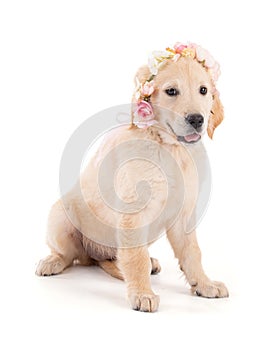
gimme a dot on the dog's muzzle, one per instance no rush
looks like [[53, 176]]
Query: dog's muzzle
[[194, 120]]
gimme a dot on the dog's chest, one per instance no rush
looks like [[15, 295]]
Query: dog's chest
[[188, 181]]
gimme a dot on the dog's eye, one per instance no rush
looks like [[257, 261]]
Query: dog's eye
[[203, 90], [172, 92]]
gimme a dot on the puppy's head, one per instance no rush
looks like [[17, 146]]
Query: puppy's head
[[182, 96]]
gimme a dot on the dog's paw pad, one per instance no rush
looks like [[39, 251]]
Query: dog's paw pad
[[51, 265], [144, 302], [211, 289]]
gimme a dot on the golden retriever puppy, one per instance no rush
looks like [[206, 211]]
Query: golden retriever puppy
[[145, 180]]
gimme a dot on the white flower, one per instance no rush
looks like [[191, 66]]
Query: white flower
[[215, 71], [153, 65], [137, 89], [157, 58], [204, 55]]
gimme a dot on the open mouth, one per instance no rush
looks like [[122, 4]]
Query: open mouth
[[191, 138]]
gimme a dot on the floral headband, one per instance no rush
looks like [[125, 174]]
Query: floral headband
[[143, 111]]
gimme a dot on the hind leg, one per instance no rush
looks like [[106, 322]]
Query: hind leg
[[64, 242], [111, 267], [155, 266]]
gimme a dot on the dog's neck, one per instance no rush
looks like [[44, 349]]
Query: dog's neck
[[163, 136]]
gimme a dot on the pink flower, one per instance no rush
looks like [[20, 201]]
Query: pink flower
[[147, 89], [178, 47], [144, 113]]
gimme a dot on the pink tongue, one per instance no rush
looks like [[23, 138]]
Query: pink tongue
[[192, 137]]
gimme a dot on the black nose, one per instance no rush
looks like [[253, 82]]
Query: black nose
[[196, 120]]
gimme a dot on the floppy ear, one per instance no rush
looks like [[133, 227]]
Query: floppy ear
[[142, 74], [217, 115]]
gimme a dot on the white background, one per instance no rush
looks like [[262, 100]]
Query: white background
[[62, 61]]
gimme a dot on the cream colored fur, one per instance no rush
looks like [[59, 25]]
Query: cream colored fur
[[72, 232]]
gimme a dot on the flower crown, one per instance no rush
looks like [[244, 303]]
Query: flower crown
[[143, 111]]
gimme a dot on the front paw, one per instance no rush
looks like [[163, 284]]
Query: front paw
[[210, 289], [52, 265], [148, 302]]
